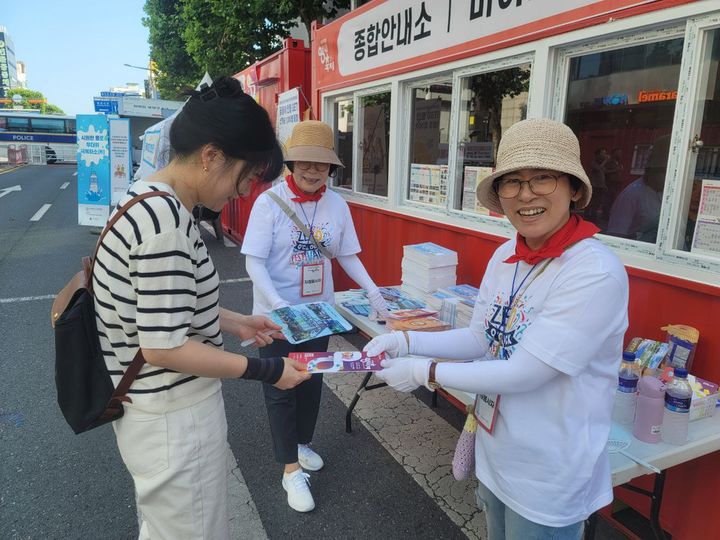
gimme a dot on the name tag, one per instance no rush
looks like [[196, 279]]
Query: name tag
[[312, 279], [485, 411]]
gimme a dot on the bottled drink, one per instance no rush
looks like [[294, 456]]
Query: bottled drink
[[650, 409], [626, 394], [676, 416]]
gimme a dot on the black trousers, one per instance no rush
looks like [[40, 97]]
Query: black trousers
[[293, 413]]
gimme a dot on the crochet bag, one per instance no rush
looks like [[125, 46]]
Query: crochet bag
[[463, 463]]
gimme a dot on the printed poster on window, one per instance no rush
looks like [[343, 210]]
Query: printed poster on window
[[428, 183], [706, 237], [471, 178], [288, 113], [93, 175]]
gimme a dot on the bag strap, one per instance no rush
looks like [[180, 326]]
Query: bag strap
[[120, 394], [109, 225], [300, 225]]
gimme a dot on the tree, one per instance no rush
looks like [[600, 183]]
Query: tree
[[32, 99], [309, 10], [489, 90], [189, 37], [176, 68]]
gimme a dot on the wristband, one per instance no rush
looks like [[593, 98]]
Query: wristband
[[268, 370]]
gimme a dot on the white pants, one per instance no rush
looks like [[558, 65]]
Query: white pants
[[178, 462]]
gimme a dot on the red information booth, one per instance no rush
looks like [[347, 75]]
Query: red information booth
[[265, 80], [419, 94]]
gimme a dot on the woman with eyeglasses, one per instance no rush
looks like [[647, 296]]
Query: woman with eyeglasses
[[546, 341], [295, 228]]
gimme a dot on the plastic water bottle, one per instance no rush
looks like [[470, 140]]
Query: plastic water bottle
[[650, 409], [626, 394], [676, 416]]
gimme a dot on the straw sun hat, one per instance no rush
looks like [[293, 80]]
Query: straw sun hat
[[312, 140], [537, 143]]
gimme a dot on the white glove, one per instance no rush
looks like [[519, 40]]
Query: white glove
[[378, 304], [405, 374], [392, 344]]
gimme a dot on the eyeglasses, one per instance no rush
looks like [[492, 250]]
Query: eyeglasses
[[542, 184], [305, 166]]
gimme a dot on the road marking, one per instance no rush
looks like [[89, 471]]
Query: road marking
[[236, 280], [5, 191], [75, 173], [25, 299], [226, 241], [66, 184], [40, 213]]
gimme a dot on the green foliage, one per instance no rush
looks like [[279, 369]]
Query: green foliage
[[26, 93], [222, 37], [176, 68]]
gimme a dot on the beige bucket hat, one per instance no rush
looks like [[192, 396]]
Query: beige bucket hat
[[314, 141], [537, 143]]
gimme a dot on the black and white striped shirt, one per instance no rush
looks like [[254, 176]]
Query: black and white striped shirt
[[156, 287]]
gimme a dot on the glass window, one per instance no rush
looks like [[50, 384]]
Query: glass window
[[48, 125], [3, 123], [490, 103], [71, 126], [375, 110], [620, 104], [700, 230], [18, 124], [429, 132], [344, 142]]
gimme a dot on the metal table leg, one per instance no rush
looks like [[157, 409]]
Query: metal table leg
[[656, 496], [362, 388]]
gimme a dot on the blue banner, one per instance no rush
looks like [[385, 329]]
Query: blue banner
[[106, 106], [93, 161]]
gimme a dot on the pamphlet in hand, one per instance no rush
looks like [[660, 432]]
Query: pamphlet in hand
[[304, 322], [333, 362]]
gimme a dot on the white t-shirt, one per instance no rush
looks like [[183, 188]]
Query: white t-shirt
[[156, 287], [546, 458], [272, 235]]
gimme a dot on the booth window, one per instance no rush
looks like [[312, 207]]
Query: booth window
[[700, 225], [343, 115], [490, 103], [375, 142], [620, 103], [429, 133]]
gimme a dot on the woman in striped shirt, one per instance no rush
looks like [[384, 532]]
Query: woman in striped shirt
[[156, 289]]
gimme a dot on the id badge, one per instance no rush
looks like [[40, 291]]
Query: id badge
[[312, 279], [486, 410]]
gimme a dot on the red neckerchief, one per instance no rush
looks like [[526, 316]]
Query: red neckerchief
[[573, 231], [301, 195]]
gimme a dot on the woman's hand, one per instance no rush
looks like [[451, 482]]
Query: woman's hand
[[392, 344], [256, 327], [405, 374], [293, 374]]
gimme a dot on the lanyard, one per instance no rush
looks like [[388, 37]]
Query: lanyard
[[310, 223]]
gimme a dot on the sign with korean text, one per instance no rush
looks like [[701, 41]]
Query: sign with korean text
[[398, 34], [93, 175], [288, 113], [106, 106], [120, 158]]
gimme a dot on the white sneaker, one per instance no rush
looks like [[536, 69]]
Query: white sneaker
[[297, 485], [309, 459]]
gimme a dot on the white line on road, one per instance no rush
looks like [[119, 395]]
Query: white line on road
[[25, 299], [48, 296], [66, 184], [40, 213], [75, 173], [5, 191]]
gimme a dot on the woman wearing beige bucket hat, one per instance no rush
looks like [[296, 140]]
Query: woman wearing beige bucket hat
[[294, 231], [546, 336]]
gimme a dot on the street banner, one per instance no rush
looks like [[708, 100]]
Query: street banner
[[93, 176], [288, 113], [120, 158]]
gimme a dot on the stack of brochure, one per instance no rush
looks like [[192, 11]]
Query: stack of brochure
[[455, 304], [427, 267]]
